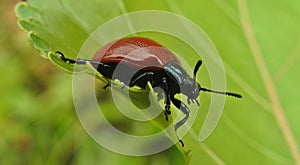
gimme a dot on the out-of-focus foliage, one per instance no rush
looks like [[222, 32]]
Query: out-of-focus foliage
[[259, 44], [38, 123]]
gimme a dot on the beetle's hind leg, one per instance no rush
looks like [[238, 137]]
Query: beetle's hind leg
[[71, 61], [79, 61], [62, 57]]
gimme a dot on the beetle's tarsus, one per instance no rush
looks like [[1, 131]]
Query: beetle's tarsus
[[107, 85], [62, 57], [167, 101], [71, 61], [167, 119], [167, 112], [181, 142], [189, 101], [123, 86]]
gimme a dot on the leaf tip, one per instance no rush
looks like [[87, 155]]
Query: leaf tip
[[38, 43]]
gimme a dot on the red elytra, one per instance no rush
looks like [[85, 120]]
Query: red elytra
[[138, 52]]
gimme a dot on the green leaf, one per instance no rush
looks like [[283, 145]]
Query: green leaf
[[259, 43], [38, 43]]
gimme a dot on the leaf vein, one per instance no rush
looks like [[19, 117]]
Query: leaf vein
[[278, 111]]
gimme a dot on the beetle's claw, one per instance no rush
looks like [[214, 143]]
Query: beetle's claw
[[166, 116], [123, 86], [167, 112], [188, 101], [181, 142], [107, 85], [193, 101], [61, 56]]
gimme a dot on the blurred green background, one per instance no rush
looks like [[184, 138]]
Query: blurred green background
[[38, 123]]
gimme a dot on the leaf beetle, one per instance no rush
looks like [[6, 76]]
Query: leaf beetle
[[150, 62]]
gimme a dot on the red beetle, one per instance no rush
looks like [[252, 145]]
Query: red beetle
[[148, 61]]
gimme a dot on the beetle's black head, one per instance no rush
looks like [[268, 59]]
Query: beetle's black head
[[188, 85], [192, 89]]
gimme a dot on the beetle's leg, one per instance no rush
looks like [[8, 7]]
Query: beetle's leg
[[107, 85], [78, 61], [71, 61], [105, 69], [167, 107], [167, 99], [184, 109], [142, 79], [62, 57], [193, 101]]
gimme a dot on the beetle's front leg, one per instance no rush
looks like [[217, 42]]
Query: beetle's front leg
[[167, 99], [167, 107], [184, 109]]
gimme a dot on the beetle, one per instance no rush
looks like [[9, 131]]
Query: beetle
[[149, 61]]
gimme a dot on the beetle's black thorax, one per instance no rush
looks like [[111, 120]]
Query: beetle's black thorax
[[176, 76]]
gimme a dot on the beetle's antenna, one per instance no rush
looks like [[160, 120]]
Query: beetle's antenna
[[197, 66], [209, 90], [218, 92]]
